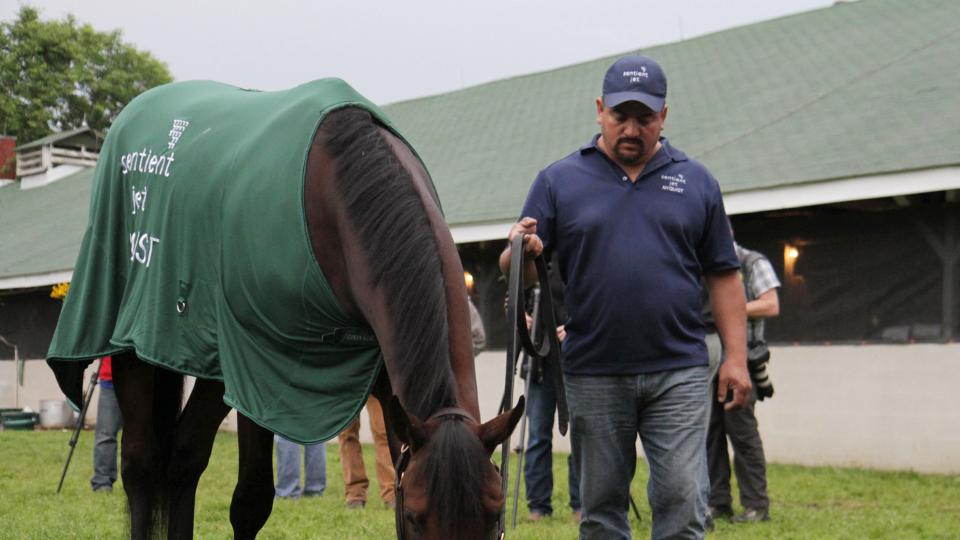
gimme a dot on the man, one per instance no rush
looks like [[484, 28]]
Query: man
[[740, 426], [634, 224]]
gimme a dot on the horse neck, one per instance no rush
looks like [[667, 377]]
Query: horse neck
[[460, 348], [417, 370]]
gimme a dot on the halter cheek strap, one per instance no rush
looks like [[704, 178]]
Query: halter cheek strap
[[398, 491]]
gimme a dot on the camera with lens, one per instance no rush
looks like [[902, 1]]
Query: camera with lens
[[758, 355]]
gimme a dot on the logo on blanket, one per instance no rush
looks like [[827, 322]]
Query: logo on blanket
[[142, 243], [145, 161]]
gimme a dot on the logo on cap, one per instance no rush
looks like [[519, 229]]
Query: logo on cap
[[635, 75]]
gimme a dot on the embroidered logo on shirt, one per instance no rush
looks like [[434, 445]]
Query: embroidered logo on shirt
[[675, 184]]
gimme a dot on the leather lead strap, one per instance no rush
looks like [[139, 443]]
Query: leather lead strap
[[548, 348]]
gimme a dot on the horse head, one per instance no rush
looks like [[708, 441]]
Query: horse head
[[447, 486]]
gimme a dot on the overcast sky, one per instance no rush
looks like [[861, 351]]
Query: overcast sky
[[401, 49]]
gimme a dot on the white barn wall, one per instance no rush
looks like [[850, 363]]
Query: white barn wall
[[875, 406]]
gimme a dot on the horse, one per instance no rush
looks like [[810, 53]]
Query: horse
[[357, 263]]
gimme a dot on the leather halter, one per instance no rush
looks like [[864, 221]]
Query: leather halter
[[404, 460]]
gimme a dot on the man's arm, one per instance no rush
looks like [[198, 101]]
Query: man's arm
[[730, 315], [764, 306], [533, 247]]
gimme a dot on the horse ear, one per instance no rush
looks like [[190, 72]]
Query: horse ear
[[409, 428], [499, 429]]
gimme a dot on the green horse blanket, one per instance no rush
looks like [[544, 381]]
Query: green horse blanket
[[196, 256]]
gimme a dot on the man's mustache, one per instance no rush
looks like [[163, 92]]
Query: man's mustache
[[630, 140]]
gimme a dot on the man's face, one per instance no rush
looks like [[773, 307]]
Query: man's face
[[629, 132]]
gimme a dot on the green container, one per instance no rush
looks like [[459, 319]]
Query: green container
[[17, 419]]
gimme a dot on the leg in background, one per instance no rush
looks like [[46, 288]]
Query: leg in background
[[718, 459], [351, 458], [573, 484], [314, 469], [538, 463], [109, 421], [748, 460], [385, 473], [288, 468]]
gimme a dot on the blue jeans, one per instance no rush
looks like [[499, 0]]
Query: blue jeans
[[538, 467], [288, 468], [669, 413], [109, 422]]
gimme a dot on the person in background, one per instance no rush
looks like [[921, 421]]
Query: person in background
[[740, 425], [477, 332], [288, 469], [351, 459], [635, 224], [109, 422]]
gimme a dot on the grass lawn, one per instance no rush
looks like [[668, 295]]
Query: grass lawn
[[806, 502]]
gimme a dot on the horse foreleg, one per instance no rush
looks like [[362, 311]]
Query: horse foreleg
[[253, 496], [133, 383], [196, 431]]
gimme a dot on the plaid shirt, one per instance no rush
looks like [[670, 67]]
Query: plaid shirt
[[759, 278]]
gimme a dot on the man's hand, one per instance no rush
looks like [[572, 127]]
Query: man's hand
[[527, 226], [532, 247], [735, 378]]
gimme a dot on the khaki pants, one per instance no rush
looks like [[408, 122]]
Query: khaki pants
[[351, 457]]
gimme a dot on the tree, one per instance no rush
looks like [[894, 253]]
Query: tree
[[56, 75]]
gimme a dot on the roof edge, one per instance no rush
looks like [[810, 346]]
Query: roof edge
[[843, 190], [481, 231], [29, 281]]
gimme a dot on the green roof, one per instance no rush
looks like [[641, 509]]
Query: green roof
[[41, 228], [855, 89], [83, 135]]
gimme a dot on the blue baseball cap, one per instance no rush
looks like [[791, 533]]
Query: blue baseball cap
[[635, 78]]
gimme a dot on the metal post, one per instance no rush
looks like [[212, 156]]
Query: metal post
[[76, 429]]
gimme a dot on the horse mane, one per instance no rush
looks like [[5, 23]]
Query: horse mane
[[395, 233], [454, 468]]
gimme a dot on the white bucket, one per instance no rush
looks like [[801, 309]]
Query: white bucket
[[55, 413]]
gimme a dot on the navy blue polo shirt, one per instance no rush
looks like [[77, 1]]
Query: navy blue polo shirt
[[631, 255]]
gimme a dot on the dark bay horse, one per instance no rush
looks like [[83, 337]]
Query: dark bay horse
[[377, 233]]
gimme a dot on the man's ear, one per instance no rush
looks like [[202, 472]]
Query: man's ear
[[409, 428], [499, 429]]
